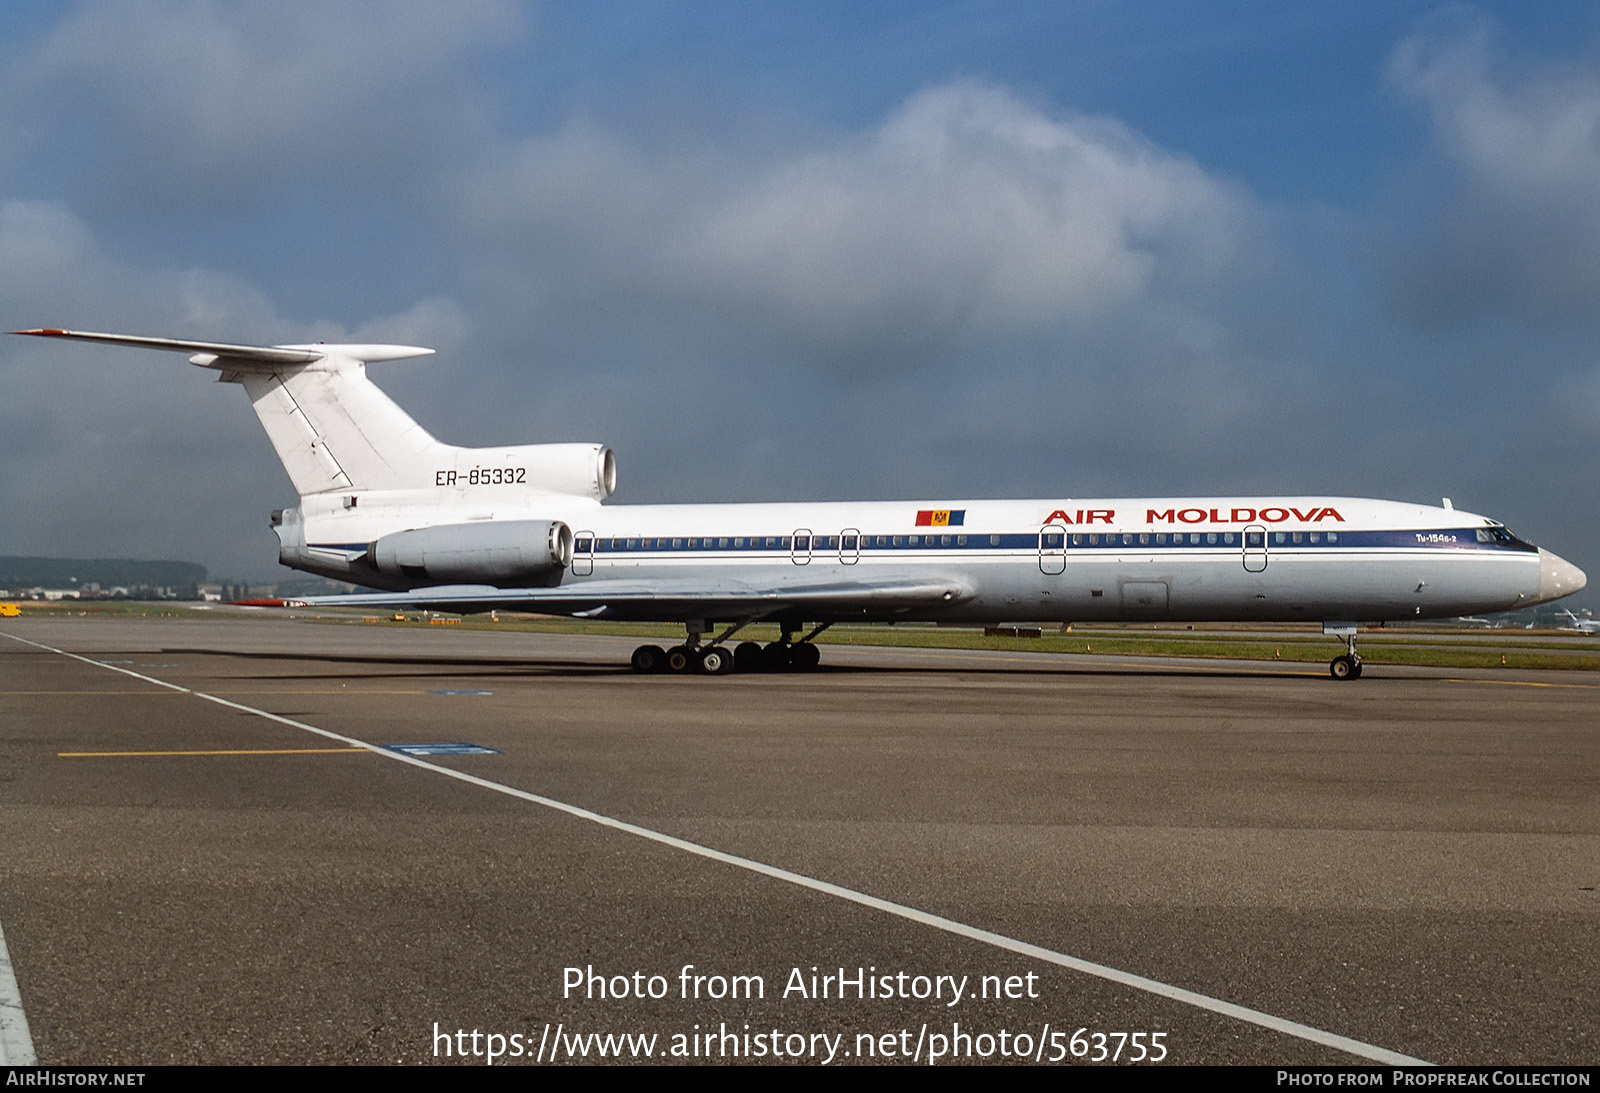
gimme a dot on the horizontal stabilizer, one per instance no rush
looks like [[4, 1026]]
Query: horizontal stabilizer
[[222, 354]]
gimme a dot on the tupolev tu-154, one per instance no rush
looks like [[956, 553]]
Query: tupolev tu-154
[[525, 527]]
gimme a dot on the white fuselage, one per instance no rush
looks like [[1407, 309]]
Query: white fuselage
[[1213, 559]]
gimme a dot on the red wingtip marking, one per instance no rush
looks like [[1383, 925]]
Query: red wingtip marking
[[47, 331]]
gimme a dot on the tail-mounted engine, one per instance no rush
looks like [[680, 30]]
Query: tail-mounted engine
[[574, 470], [503, 553]]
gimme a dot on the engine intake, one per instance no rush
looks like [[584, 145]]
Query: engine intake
[[503, 553]]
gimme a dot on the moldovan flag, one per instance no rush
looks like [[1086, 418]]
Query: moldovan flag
[[941, 518]]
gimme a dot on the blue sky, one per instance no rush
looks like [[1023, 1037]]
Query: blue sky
[[813, 251]]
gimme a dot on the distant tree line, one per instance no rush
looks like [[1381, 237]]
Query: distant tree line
[[20, 572]]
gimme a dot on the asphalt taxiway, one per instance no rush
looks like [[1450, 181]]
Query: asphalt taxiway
[[202, 858]]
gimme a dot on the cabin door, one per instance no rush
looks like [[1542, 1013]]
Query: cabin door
[[1053, 549], [850, 546], [583, 554], [1255, 548]]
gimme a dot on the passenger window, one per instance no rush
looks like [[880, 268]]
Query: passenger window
[[1161, 538], [1227, 538], [916, 540], [850, 542], [994, 540], [961, 540], [583, 544], [1279, 537], [1316, 537], [1211, 538], [1333, 536]]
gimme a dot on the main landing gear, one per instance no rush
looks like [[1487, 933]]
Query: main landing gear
[[716, 659], [1348, 664]]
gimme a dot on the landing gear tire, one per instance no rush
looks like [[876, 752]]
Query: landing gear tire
[[1345, 667], [680, 659], [747, 657], [805, 656], [776, 657], [649, 658], [716, 661]]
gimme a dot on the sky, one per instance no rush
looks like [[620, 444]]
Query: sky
[[812, 251]]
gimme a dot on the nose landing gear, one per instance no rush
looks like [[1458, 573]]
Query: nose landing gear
[[1348, 664], [1345, 667]]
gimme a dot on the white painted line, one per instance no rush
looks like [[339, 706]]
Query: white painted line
[[16, 1046], [900, 910]]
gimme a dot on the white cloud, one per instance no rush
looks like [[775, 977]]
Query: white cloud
[[966, 214], [198, 100], [1518, 226]]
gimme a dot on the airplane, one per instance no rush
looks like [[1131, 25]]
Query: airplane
[[523, 527], [1583, 626]]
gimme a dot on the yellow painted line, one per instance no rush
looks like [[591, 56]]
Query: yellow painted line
[[979, 657], [340, 691], [1521, 682], [1242, 664], [263, 751]]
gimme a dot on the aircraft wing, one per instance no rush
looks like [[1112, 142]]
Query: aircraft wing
[[670, 600]]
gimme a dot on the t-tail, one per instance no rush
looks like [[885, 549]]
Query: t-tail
[[357, 459]]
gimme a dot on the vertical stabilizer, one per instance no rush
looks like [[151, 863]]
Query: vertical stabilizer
[[334, 429]]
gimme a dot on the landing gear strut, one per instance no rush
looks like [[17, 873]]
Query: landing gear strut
[[716, 659], [786, 654], [713, 659], [1348, 664]]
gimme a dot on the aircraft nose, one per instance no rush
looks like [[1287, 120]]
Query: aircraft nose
[[1557, 577]]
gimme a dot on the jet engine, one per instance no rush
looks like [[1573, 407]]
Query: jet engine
[[576, 470], [504, 553]]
